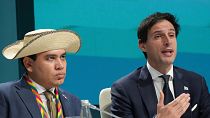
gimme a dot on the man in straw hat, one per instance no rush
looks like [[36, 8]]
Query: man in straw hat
[[36, 94]]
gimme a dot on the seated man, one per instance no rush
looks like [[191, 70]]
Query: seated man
[[139, 94], [37, 93]]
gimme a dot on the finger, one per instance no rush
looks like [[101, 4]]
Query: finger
[[160, 103], [182, 110], [183, 106], [161, 100], [183, 100], [180, 104], [180, 98]]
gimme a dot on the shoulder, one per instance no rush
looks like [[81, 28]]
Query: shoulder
[[192, 78], [130, 77], [8, 91], [187, 73], [128, 82], [7, 86]]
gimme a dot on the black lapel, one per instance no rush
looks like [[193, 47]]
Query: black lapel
[[181, 86], [178, 83], [28, 98], [147, 91]]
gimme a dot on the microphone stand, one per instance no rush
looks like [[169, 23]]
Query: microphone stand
[[88, 104]]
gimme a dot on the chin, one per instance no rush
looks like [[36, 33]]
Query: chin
[[168, 60], [59, 82]]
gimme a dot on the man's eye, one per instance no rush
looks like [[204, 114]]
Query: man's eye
[[50, 58], [63, 57], [172, 35], [157, 36]]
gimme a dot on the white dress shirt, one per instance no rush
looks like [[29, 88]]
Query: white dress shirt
[[158, 81], [40, 89]]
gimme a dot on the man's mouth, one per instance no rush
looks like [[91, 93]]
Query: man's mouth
[[60, 75], [167, 52]]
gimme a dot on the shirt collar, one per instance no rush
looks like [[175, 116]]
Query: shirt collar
[[40, 89], [155, 73]]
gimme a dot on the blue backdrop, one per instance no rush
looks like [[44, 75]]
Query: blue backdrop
[[109, 41]]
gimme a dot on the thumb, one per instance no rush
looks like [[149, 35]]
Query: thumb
[[161, 101]]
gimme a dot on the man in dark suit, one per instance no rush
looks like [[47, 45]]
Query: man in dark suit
[[160, 89], [37, 93]]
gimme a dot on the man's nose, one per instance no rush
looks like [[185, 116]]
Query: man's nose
[[59, 64], [167, 41]]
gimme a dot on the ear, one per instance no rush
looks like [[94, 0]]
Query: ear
[[142, 46], [28, 62]]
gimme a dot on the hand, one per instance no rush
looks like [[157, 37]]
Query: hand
[[174, 109]]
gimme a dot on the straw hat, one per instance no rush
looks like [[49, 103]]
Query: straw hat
[[42, 40]]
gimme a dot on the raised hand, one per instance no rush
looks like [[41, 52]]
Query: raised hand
[[174, 109]]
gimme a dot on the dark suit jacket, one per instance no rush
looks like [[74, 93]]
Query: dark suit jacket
[[17, 101], [134, 95]]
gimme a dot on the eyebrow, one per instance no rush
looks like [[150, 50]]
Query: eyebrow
[[160, 31], [54, 55]]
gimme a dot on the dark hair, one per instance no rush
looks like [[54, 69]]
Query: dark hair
[[151, 20]]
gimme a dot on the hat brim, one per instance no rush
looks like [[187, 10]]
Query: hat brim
[[60, 39]]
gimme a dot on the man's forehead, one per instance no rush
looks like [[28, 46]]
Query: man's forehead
[[53, 52], [162, 24], [163, 30]]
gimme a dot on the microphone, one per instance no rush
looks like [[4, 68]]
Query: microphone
[[89, 105]]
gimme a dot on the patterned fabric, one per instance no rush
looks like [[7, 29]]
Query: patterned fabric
[[40, 103], [51, 104], [59, 107]]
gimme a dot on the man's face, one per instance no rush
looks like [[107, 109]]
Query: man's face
[[161, 45], [49, 68]]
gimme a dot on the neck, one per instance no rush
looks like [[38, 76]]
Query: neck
[[40, 83], [164, 69]]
